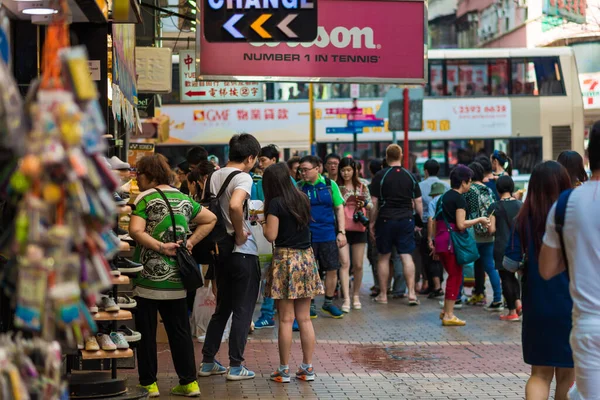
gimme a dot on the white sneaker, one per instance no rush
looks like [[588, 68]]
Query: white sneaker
[[119, 340], [129, 334], [91, 344], [105, 343]]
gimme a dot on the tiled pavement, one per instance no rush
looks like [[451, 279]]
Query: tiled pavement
[[382, 352]]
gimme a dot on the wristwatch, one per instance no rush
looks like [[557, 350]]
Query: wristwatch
[[342, 232]]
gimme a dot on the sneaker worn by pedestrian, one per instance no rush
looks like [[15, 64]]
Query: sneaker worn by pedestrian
[[263, 323], [305, 374], [435, 294], [190, 390], [91, 344], [126, 302], [313, 312], [213, 368], [281, 375], [476, 300], [240, 373], [332, 310], [495, 307], [127, 266], [346, 306], [119, 340], [105, 342], [152, 390], [108, 304], [295, 326], [129, 334]]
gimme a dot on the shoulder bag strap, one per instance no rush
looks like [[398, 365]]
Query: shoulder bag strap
[[227, 182], [381, 187], [559, 221], [170, 211]]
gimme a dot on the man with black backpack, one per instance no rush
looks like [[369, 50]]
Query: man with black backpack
[[238, 271], [396, 197], [327, 227], [572, 243]]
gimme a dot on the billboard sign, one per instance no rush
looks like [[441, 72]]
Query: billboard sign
[[569, 10], [590, 88], [260, 21], [193, 91], [359, 41]]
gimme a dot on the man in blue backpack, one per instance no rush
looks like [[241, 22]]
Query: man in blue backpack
[[327, 227], [571, 243]]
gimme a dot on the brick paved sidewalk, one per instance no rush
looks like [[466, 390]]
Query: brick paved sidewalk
[[382, 352]]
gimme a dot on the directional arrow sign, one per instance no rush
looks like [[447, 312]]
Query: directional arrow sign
[[229, 26], [258, 20], [343, 129], [283, 26], [257, 26], [365, 123]]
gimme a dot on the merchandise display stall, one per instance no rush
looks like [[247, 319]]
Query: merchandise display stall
[[64, 310]]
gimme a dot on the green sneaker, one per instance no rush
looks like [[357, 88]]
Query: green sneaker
[[152, 390], [189, 390]]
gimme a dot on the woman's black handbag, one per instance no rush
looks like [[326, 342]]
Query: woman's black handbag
[[189, 270]]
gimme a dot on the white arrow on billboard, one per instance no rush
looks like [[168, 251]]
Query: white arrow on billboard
[[229, 26], [283, 26]]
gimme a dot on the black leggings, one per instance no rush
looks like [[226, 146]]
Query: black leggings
[[510, 288]]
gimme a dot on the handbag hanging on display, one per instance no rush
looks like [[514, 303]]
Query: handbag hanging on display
[[191, 275]]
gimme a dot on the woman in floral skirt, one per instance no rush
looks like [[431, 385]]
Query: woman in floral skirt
[[293, 278]]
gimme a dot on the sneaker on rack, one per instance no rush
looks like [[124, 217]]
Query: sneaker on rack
[[105, 343], [93, 309], [91, 344], [127, 266], [126, 302], [108, 304], [119, 340], [129, 334], [114, 271]]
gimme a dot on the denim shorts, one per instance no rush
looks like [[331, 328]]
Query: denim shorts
[[400, 233]]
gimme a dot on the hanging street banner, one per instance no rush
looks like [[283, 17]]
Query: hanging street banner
[[193, 91], [359, 41], [259, 20]]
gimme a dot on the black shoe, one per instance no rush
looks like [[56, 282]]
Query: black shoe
[[114, 271], [436, 293], [127, 266]]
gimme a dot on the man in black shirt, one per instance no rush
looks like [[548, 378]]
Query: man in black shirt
[[396, 197]]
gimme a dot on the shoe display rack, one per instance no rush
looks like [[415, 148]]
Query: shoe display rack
[[94, 384]]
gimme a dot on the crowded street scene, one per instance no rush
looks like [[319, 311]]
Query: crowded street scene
[[300, 199]]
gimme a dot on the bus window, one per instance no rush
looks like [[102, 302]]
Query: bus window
[[548, 73], [524, 81], [467, 78], [499, 77], [436, 80]]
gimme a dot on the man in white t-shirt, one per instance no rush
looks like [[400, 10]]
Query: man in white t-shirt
[[581, 234], [238, 271]]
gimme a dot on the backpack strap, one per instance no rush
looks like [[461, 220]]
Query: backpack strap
[[382, 201], [559, 221]]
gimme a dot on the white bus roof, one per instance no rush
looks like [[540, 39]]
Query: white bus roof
[[499, 53]]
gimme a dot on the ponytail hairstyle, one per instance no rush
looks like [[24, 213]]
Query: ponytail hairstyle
[[504, 161]]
